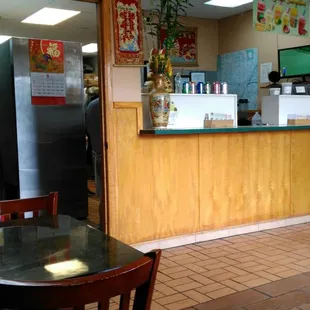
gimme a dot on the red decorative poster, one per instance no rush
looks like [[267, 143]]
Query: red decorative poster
[[184, 52], [127, 20], [48, 84]]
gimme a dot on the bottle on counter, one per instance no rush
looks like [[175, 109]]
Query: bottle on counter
[[178, 84], [256, 119]]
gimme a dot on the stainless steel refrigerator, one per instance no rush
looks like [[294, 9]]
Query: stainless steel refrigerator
[[42, 146]]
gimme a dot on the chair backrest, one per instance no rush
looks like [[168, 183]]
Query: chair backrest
[[78, 292], [18, 207]]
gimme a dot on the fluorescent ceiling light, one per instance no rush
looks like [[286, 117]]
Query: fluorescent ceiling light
[[4, 38], [90, 48], [228, 3], [49, 16]]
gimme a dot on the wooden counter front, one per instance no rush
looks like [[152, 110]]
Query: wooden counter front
[[175, 185]]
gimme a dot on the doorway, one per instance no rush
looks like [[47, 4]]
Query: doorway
[[80, 28]]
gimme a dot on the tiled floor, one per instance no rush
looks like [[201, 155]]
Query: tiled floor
[[258, 271], [264, 270]]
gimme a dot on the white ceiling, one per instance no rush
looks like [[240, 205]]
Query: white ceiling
[[199, 9], [81, 28]]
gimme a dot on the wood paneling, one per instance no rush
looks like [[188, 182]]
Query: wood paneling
[[244, 178], [157, 183], [300, 177]]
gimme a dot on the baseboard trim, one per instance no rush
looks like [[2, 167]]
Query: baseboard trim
[[218, 234]]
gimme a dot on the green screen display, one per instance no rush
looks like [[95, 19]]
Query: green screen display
[[296, 61]]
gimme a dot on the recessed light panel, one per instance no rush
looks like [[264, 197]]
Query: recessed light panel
[[4, 38], [50, 16], [228, 3], [90, 48]]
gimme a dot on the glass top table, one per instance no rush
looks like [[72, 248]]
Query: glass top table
[[58, 247]]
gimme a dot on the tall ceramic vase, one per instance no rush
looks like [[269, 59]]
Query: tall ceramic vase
[[159, 103]]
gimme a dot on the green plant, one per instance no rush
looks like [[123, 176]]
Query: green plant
[[165, 14]]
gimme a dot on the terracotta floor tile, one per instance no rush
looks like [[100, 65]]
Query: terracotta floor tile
[[238, 271], [182, 274], [245, 278], [267, 275], [199, 255], [234, 285], [214, 272], [157, 295], [167, 263], [169, 271], [166, 254], [228, 261], [196, 268], [164, 289], [304, 263], [162, 277], [196, 296], [277, 270], [247, 264], [256, 268], [284, 286], [179, 250], [178, 282], [208, 262], [156, 306], [237, 255], [188, 286], [181, 304], [201, 279], [263, 261], [289, 273], [190, 260], [256, 282], [170, 299], [216, 266], [245, 259], [234, 301], [221, 292], [210, 288], [177, 258], [258, 254], [219, 254], [224, 276], [297, 267], [194, 247]]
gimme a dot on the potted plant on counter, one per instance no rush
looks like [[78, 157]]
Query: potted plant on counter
[[164, 14]]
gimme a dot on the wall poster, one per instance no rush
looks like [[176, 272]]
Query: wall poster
[[184, 52], [47, 76], [127, 19], [288, 17], [240, 71]]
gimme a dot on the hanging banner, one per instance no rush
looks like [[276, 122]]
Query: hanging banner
[[47, 76], [287, 17], [127, 19]]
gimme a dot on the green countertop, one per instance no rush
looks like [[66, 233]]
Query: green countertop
[[195, 131]]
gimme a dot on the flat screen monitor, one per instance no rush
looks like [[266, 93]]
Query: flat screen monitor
[[294, 62]]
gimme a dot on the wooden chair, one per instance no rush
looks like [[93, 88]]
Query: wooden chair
[[77, 292], [17, 208]]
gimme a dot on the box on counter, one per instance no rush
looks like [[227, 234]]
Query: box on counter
[[298, 119], [218, 123], [218, 120]]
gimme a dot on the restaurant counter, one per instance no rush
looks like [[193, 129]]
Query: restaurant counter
[[174, 187], [192, 131]]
